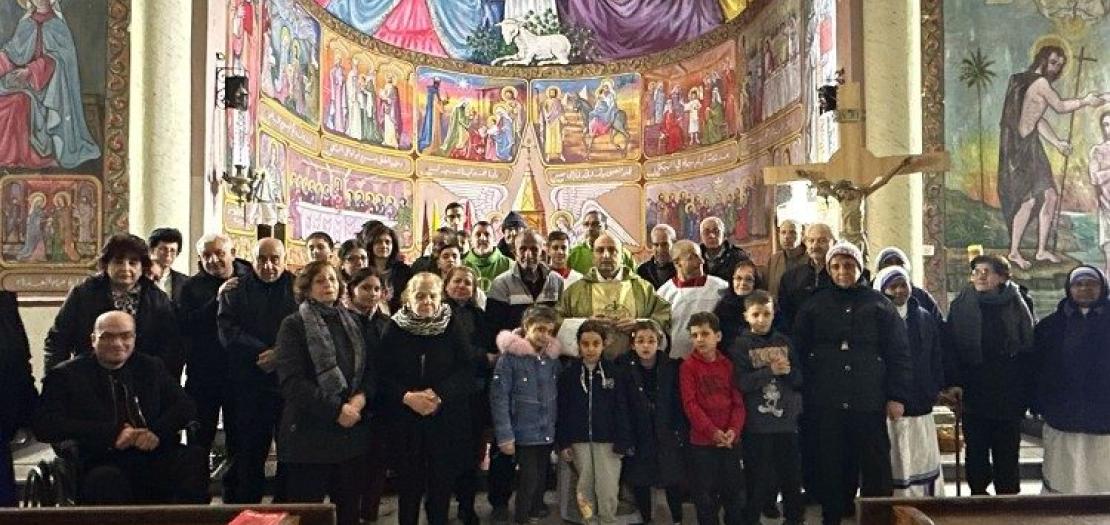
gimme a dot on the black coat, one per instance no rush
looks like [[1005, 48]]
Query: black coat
[[205, 356], [17, 385], [443, 363], [156, 325], [730, 311], [724, 264], [926, 352], [608, 421], [177, 280], [248, 320], [874, 367], [798, 284], [659, 426], [399, 275], [658, 274], [77, 403], [309, 432]]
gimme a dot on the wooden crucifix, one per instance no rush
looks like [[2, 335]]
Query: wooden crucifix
[[853, 172]]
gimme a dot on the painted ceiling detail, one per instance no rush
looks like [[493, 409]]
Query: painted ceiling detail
[[534, 32]]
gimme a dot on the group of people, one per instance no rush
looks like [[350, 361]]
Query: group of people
[[695, 371]]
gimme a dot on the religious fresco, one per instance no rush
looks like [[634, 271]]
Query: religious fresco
[[291, 58], [820, 70], [550, 145], [338, 199], [552, 31], [63, 137], [367, 97], [770, 64], [51, 220], [1027, 181], [469, 117], [738, 196], [244, 58], [690, 104], [595, 119]]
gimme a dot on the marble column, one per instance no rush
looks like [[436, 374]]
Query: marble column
[[892, 95], [160, 125]]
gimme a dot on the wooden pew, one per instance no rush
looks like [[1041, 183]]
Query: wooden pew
[[986, 510], [314, 514]]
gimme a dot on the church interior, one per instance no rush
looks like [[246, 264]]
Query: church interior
[[961, 133]]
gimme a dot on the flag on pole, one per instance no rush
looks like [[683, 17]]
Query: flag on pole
[[426, 232]]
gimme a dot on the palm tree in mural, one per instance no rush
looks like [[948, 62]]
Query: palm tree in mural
[[975, 72]]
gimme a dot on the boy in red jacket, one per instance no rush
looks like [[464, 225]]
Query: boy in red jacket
[[716, 412]]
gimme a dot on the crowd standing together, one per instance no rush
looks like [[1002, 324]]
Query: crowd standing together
[[696, 372]]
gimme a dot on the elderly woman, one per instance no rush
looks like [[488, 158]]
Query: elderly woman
[[326, 380], [427, 372], [856, 361], [120, 284], [990, 342], [384, 255], [745, 280], [461, 288], [1073, 394]]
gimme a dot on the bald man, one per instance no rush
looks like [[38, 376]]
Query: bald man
[[791, 253], [800, 282], [613, 293], [248, 320], [124, 411]]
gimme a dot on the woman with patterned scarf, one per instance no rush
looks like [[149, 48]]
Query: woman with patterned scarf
[[427, 381], [326, 380]]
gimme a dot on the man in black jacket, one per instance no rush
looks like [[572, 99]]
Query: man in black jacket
[[720, 255], [123, 411], [17, 389], [800, 282], [208, 377], [248, 320]]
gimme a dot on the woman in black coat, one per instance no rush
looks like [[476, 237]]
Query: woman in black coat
[[17, 389], [121, 284], [326, 380], [427, 372], [745, 280]]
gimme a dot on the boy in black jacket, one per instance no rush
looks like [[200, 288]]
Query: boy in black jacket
[[593, 432], [767, 372]]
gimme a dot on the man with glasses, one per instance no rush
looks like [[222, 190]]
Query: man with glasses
[[124, 411]]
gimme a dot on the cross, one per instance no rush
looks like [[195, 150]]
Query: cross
[[853, 172]]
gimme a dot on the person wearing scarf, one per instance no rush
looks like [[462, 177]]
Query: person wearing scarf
[[326, 380], [990, 345], [690, 291], [120, 284], [1073, 394], [914, 451], [745, 280], [427, 379], [857, 371]]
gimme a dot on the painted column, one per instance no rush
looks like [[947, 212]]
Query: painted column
[[161, 129], [892, 91]]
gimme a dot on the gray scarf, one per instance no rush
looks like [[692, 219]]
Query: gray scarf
[[322, 350], [966, 322], [425, 326]]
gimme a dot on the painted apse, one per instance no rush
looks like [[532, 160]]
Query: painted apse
[[391, 129], [63, 184], [1027, 125]]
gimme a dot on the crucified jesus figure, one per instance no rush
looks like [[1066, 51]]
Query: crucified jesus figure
[[1025, 182]]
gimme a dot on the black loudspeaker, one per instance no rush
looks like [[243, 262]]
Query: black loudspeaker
[[236, 92], [826, 98]]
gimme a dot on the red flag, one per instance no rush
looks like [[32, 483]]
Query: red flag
[[467, 222], [427, 229]]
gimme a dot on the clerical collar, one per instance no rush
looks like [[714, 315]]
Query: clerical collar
[[690, 283]]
